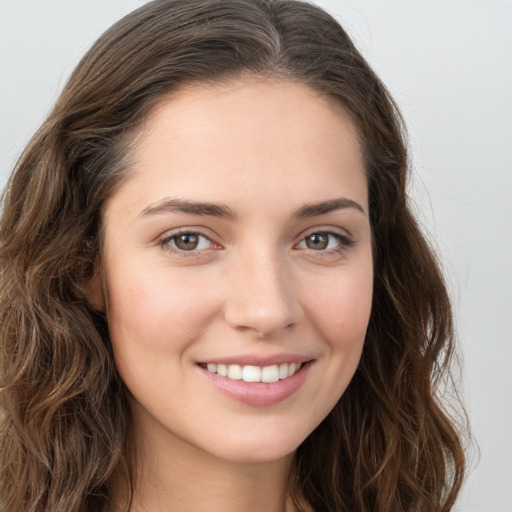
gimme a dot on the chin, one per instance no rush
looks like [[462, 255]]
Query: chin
[[260, 446]]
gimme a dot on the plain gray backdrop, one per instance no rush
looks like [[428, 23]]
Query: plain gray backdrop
[[448, 64]]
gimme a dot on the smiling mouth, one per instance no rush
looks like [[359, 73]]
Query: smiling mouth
[[250, 373]]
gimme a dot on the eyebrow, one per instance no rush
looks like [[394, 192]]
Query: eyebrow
[[323, 207], [190, 207], [221, 210]]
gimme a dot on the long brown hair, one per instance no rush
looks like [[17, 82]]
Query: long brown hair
[[388, 445]]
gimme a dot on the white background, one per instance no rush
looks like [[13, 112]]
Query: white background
[[448, 63]]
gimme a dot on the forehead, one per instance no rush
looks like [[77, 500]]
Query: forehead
[[272, 136]]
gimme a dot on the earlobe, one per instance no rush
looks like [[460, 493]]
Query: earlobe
[[94, 294]]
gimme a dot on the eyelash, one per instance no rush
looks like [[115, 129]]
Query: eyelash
[[166, 240], [344, 242]]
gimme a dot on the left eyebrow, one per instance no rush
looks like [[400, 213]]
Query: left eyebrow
[[323, 207]]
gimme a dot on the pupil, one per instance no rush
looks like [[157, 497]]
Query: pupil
[[317, 241], [187, 242]]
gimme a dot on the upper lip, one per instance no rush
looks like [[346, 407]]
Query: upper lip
[[258, 360]]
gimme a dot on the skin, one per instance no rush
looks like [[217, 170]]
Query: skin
[[256, 286]]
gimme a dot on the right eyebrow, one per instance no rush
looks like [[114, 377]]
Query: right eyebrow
[[170, 205]]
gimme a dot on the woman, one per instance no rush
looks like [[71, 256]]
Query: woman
[[214, 294]]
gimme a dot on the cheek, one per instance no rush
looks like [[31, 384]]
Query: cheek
[[154, 313], [341, 309], [339, 312]]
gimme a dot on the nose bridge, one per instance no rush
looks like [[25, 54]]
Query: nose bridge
[[262, 296]]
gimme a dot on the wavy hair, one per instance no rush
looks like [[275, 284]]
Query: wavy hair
[[388, 445]]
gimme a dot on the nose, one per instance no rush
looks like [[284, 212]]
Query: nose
[[262, 298]]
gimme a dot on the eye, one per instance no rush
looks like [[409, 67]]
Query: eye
[[187, 241], [325, 241]]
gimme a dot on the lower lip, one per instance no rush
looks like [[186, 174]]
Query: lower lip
[[259, 394]]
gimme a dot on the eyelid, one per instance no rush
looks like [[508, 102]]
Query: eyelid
[[346, 240], [163, 240], [326, 229]]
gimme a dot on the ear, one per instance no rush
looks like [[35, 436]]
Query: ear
[[94, 293]]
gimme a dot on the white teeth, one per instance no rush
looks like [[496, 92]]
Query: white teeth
[[251, 373], [270, 373], [234, 371]]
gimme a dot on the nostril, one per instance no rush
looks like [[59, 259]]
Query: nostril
[[262, 320]]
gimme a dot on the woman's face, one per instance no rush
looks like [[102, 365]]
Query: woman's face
[[239, 246]]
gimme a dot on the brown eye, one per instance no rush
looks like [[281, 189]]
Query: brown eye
[[325, 242], [188, 242], [317, 241]]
